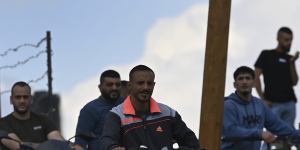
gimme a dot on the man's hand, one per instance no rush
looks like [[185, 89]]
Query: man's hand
[[119, 148], [268, 103], [76, 147], [295, 57], [268, 136]]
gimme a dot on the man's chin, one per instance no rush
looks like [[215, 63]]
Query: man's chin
[[144, 99], [21, 111], [246, 93], [114, 98]]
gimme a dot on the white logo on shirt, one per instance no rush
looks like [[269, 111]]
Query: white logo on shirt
[[282, 60], [37, 127]]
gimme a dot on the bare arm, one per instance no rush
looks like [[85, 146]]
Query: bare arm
[[76, 147], [119, 148], [55, 135], [258, 88], [268, 136], [11, 144], [293, 71]]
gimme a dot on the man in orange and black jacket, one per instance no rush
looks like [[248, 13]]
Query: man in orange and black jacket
[[141, 122]]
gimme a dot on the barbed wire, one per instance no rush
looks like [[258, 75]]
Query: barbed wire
[[29, 82], [38, 79], [23, 45], [24, 61], [4, 92]]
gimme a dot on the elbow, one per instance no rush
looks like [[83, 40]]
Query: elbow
[[295, 82]]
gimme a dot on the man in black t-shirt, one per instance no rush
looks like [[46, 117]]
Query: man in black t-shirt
[[278, 70], [23, 125]]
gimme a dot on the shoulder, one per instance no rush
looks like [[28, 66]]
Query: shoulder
[[92, 104], [9, 116], [258, 101], [229, 101], [167, 110], [118, 109], [37, 116], [267, 52], [5, 120]]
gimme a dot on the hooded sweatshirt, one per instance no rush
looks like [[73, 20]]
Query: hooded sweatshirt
[[244, 121]]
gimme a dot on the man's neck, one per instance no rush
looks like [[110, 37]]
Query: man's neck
[[279, 49], [246, 97], [19, 116], [107, 100], [140, 106]]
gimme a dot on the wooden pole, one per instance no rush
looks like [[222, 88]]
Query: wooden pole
[[214, 74], [49, 63]]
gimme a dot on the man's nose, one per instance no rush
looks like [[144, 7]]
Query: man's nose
[[115, 86], [22, 99], [147, 86]]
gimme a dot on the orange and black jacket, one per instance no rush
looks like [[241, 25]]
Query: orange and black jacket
[[156, 130]]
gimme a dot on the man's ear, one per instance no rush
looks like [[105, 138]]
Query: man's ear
[[129, 85], [10, 99], [31, 99], [234, 84], [99, 86]]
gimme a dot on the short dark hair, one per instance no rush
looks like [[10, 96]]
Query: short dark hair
[[243, 70], [109, 73], [139, 68], [21, 84], [124, 83], [285, 30]]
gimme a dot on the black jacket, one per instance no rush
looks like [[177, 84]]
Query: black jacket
[[157, 130]]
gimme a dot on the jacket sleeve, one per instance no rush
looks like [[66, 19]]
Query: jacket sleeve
[[86, 123], [111, 132], [184, 136], [233, 129]]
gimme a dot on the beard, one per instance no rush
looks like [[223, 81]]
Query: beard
[[286, 48], [112, 96], [21, 112], [144, 96], [246, 93]]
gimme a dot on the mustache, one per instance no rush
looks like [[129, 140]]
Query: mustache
[[114, 91], [146, 92]]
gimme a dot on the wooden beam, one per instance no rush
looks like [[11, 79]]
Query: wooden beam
[[214, 74]]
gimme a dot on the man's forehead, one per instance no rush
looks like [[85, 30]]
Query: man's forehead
[[111, 79], [21, 92], [142, 73], [244, 74], [285, 35], [21, 88]]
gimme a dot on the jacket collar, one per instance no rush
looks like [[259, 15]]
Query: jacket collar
[[129, 109]]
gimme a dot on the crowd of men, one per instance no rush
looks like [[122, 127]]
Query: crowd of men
[[126, 116]]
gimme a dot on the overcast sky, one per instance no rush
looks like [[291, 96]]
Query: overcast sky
[[168, 36]]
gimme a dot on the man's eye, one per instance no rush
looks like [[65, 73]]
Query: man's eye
[[25, 96], [140, 83], [18, 97], [109, 84]]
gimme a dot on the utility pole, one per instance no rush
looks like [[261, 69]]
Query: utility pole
[[49, 63], [212, 106], [0, 102]]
